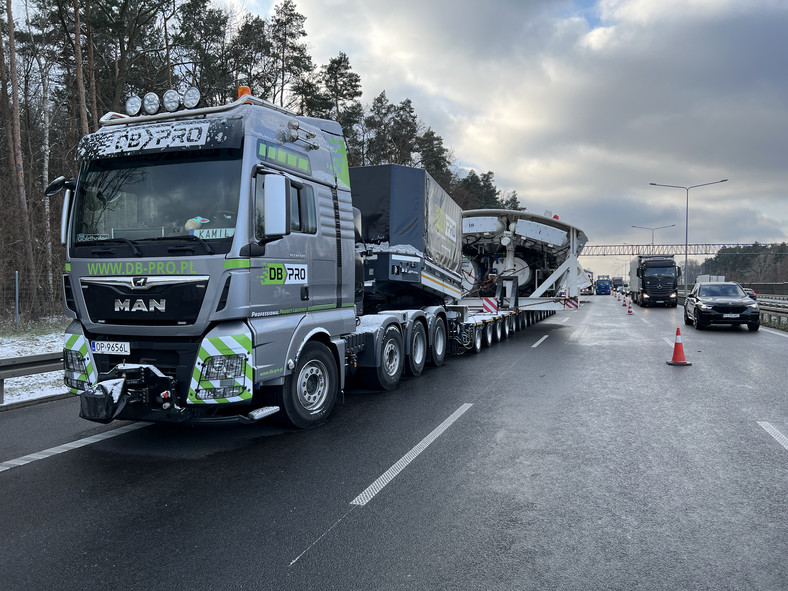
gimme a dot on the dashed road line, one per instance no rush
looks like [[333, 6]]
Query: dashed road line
[[771, 430], [539, 342], [53, 451], [374, 488]]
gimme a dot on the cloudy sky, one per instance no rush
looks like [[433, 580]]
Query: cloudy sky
[[579, 104]]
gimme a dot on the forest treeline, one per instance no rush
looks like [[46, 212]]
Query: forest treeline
[[65, 63]]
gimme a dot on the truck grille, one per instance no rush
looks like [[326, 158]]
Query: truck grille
[[115, 301]]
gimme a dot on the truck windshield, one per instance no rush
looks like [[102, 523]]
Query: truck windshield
[[175, 195], [660, 272]]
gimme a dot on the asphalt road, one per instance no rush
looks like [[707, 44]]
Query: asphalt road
[[576, 461]]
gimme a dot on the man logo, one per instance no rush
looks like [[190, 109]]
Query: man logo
[[139, 282], [140, 306]]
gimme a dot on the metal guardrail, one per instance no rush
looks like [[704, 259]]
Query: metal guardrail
[[16, 367]]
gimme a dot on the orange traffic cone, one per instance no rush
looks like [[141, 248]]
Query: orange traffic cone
[[678, 352], [624, 303], [629, 309]]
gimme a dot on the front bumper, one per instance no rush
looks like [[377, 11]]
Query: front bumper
[[716, 317]]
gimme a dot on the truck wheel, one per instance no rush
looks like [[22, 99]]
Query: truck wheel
[[389, 370], [439, 340], [488, 334], [309, 393], [498, 331], [418, 350], [477, 339]]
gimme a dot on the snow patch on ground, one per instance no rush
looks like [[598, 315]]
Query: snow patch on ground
[[37, 386]]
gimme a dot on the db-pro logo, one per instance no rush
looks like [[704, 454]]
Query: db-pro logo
[[281, 274]]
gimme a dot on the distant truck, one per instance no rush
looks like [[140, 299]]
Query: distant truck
[[617, 282], [654, 280], [603, 285], [588, 289], [710, 278]]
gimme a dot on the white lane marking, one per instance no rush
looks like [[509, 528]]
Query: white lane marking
[[539, 342], [374, 488], [779, 333], [779, 437], [53, 451], [320, 537], [564, 319], [668, 341]]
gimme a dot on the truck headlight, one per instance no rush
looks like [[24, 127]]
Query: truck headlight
[[74, 362], [645, 296], [224, 367], [674, 295]]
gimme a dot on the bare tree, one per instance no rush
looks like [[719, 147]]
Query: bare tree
[[16, 160]]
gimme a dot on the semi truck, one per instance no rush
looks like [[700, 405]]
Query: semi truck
[[224, 264], [654, 280], [603, 285]]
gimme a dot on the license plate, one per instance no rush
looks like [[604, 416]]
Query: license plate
[[111, 347], [730, 315]]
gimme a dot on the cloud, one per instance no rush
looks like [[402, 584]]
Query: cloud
[[578, 105]]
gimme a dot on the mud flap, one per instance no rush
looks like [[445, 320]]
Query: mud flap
[[104, 402]]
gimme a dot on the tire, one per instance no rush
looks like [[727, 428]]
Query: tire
[[439, 341], [696, 321], [387, 374], [498, 332], [310, 392], [477, 339], [687, 320], [418, 350], [488, 334], [753, 326]]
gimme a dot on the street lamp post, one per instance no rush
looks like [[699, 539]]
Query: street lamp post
[[652, 230], [686, 219]]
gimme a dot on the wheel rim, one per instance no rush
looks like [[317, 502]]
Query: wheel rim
[[488, 334], [390, 358], [313, 385], [477, 340]]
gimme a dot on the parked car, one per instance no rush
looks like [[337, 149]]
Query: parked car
[[721, 303]]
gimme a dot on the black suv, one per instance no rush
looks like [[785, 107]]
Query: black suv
[[721, 303]]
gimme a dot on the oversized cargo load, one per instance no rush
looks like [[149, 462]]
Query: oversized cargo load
[[406, 206]]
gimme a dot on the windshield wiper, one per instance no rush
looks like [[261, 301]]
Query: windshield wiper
[[187, 237], [134, 248], [194, 238]]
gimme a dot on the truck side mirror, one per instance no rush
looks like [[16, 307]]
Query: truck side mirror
[[679, 270], [272, 206]]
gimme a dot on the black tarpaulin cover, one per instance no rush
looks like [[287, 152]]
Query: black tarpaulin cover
[[406, 206]]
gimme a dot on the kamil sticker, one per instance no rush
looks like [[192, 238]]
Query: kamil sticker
[[281, 274]]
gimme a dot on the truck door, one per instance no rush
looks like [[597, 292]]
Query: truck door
[[289, 277]]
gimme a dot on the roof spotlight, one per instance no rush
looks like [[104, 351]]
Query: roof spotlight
[[191, 97], [133, 105], [172, 100], [151, 103]]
